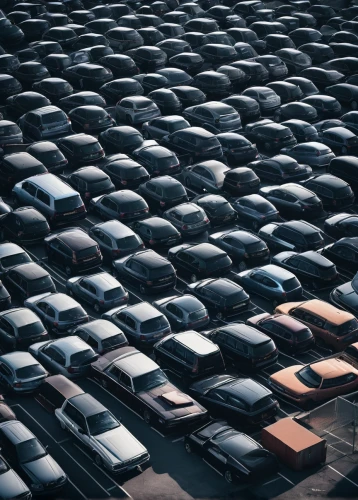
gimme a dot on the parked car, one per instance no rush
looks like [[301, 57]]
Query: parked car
[[340, 225], [49, 155], [207, 175], [163, 192], [296, 235], [333, 191], [157, 232], [115, 239], [255, 210], [293, 200], [183, 312], [20, 372], [90, 182], [24, 225], [11, 484], [19, 328], [344, 253], [54, 391], [29, 279], [314, 154], [123, 204], [188, 218], [280, 168]]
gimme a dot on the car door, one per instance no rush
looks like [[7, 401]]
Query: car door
[[135, 272], [77, 423], [15, 283], [6, 375], [216, 457], [7, 336], [107, 208], [343, 256], [174, 314], [337, 386], [85, 290]]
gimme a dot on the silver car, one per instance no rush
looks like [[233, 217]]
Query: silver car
[[11, 485], [69, 356], [113, 446], [20, 372], [102, 291], [136, 110], [208, 175], [102, 335]]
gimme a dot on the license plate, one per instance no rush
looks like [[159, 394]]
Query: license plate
[[157, 335], [70, 213], [236, 307]]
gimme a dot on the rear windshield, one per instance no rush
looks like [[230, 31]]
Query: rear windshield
[[35, 226], [87, 252], [291, 284], [234, 298], [41, 284], [9, 130], [247, 176], [301, 58], [99, 72], [212, 361], [71, 314], [309, 378], [83, 357], [167, 161], [303, 335], [133, 173], [263, 349], [175, 191], [315, 237], [68, 204], [218, 263], [223, 209], [14, 260], [345, 329], [257, 246], [343, 192], [283, 133], [114, 341], [128, 242], [328, 272], [115, 293], [196, 315], [143, 104], [210, 143], [159, 272], [88, 149], [135, 205], [263, 207], [193, 217], [31, 330], [98, 185], [30, 371], [50, 118], [30, 450], [154, 324]]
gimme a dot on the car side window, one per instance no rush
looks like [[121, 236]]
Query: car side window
[[338, 381], [216, 396], [29, 188], [43, 197], [125, 380], [5, 370], [344, 252], [6, 327], [75, 416], [131, 323]]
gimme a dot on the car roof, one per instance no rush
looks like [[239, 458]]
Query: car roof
[[90, 174], [76, 239], [101, 329], [30, 271], [186, 208], [206, 251], [165, 181], [16, 431], [20, 316], [71, 345], [341, 132], [143, 311], [135, 364], [349, 241], [19, 359], [87, 404], [331, 368], [247, 389], [326, 311], [79, 139], [103, 280], [7, 249], [20, 161], [251, 335], [62, 384], [47, 109], [287, 322], [196, 342], [316, 258], [150, 258], [301, 226], [276, 272], [61, 301], [51, 183]]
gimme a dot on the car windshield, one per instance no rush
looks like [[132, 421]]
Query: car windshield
[[87, 252], [128, 242], [30, 372], [175, 191], [196, 315], [149, 380], [43, 283], [345, 329], [51, 118], [115, 293], [14, 260], [154, 324], [9, 130], [309, 378], [31, 330], [101, 422], [263, 349], [301, 58], [99, 184], [68, 204], [113, 341], [72, 314], [83, 357], [30, 450], [35, 226]]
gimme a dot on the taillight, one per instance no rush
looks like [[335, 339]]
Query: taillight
[[184, 227], [206, 219], [196, 366], [86, 125], [146, 210], [18, 384], [101, 302], [81, 208], [151, 242], [318, 153], [162, 203], [116, 252], [70, 369], [124, 183], [122, 215], [283, 294], [149, 282]]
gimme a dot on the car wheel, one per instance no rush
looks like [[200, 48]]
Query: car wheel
[[354, 105], [320, 342], [344, 150], [142, 289], [98, 460], [193, 278], [104, 383], [188, 182], [242, 266], [68, 271], [146, 417], [188, 447], [97, 308], [228, 476]]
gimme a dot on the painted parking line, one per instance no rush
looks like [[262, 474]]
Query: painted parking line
[[272, 481], [285, 478], [342, 475], [217, 471]]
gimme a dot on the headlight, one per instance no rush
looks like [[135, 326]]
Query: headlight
[[37, 486]]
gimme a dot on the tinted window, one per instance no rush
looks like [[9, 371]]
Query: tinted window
[[68, 204], [30, 371], [151, 325], [30, 450], [83, 357], [71, 314]]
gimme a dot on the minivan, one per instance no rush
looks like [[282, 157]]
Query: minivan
[[47, 123], [54, 198], [189, 355]]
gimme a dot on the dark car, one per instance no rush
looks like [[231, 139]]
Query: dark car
[[115, 239], [116, 90], [254, 210], [322, 78], [200, 261], [345, 298], [214, 116], [295, 60], [187, 61], [162, 126], [147, 270], [46, 123], [10, 133], [90, 182], [9, 63], [297, 236], [293, 200], [305, 84], [217, 208], [237, 150], [11, 255], [48, 154], [341, 225], [272, 137], [157, 232], [188, 218], [345, 167], [350, 121], [121, 66], [326, 106], [189, 355], [146, 383], [280, 168], [31, 72], [124, 204], [288, 333], [340, 140], [345, 93], [20, 104], [310, 267], [240, 400], [245, 248], [19, 328], [84, 98], [247, 107], [73, 250], [9, 86], [81, 149], [163, 192], [124, 139], [344, 253], [189, 96], [123, 171], [53, 88], [102, 335], [57, 63], [287, 92], [24, 225], [221, 296], [87, 76], [313, 153], [183, 312], [300, 110], [302, 130], [317, 51], [90, 119], [148, 58], [333, 191], [214, 85], [26, 280], [244, 346], [54, 391]]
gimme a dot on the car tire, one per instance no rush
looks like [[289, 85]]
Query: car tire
[[98, 460], [242, 266], [193, 278], [147, 417], [228, 476], [97, 307], [63, 426], [354, 105], [188, 447], [146, 135], [68, 271], [142, 289]]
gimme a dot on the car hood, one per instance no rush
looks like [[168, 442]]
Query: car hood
[[286, 378], [11, 485], [120, 443], [45, 469], [170, 402]]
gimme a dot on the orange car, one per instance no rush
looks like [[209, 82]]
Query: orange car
[[330, 326]]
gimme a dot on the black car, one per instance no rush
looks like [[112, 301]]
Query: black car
[[305, 84], [90, 119], [341, 225], [244, 346], [123, 139], [27, 280], [300, 110], [84, 98], [272, 137], [322, 78], [163, 192], [326, 106], [31, 72], [293, 200], [245, 248], [166, 100], [116, 90], [188, 218], [217, 208], [240, 181], [238, 78], [146, 270], [148, 58], [189, 96], [318, 52], [9, 86], [57, 63], [287, 92], [124, 204], [8, 63], [254, 210], [11, 255], [121, 66], [199, 261], [188, 355], [345, 167], [162, 126], [350, 121], [53, 88], [24, 225], [214, 85], [302, 130], [73, 250], [20, 104], [297, 236], [247, 107], [90, 182], [183, 312], [81, 149], [20, 328], [345, 93], [240, 400], [310, 267], [237, 150], [10, 133], [123, 171], [281, 169], [86, 76], [239, 449], [157, 232], [221, 296], [340, 140], [344, 253], [345, 298], [48, 154], [115, 239], [257, 73], [295, 60], [334, 193], [157, 160], [188, 61]]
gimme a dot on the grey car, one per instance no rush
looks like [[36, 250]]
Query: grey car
[[255, 210], [102, 335], [57, 311], [115, 239], [136, 110], [271, 282], [183, 312], [142, 323], [69, 356], [214, 116], [208, 175], [266, 98], [12, 255], [188, 218], [11, 485], [314, 154], [112, 445], [164, 125], [20, 372], [30, 458], [102, 291]]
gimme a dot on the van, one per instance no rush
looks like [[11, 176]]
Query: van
[[54, 198], [47, 123]]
